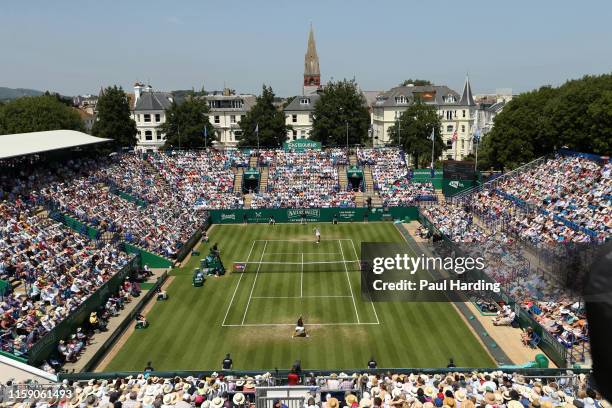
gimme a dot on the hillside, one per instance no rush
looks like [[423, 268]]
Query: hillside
[[14, 93]]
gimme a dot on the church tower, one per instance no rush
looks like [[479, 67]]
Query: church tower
[[312, 74]]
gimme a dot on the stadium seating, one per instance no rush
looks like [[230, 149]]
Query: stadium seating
[[302, 180], [391, 177], [59, 269]]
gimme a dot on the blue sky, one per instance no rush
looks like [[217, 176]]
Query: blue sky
[[78, 46]]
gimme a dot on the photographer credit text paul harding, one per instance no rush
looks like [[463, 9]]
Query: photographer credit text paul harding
[[410, 264]]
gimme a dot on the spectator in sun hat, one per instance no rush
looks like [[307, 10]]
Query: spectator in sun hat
[[238, 400], [449, 399]]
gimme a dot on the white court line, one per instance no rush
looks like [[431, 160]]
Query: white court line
[[236, 290], [372, 303], [301, 297], [304, 253], [348, 277], [300, 240], [302, 278], [293, 324], [246, 309]]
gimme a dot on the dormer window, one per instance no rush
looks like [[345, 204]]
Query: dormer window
[[401, 99], [304, 101], [450, 99]]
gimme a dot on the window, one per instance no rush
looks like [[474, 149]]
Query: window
[[148, 134], [158, 117], [147, 117], [401, 99], [449, 144], [464, 113], [232, 118], [462, 144], [159, 135], [294, 118], [304, 101], [449, 115], [449, 128], [238, 118], [462, 128], [302, 134], [217, 119]]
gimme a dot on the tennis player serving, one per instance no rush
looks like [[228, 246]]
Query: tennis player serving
[[317, 233]]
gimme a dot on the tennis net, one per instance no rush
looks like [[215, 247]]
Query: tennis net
[[296, 266]]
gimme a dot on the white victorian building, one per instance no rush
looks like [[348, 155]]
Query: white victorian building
[[149, 113], [457, 114], [226, 110]]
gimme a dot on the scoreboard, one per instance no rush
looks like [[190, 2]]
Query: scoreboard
[[458, 170]]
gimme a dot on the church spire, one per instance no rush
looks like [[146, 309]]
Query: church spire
[[466, 98], [312, 74]]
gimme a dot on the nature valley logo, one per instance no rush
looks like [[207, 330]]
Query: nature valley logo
[[308, 213], [230, 217], [456, 184]]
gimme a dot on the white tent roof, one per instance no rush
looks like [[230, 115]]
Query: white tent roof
[[21, 144]]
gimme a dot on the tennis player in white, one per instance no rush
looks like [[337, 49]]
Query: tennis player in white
[[317, 235]]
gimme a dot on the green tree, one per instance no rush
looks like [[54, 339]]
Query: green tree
[[413, 133], [340, 105], [577, 115], [265, 117], [114, 120], [38, 113], [185, 124], [416, 82]]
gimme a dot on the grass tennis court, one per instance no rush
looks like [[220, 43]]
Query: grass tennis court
[[252, 314]]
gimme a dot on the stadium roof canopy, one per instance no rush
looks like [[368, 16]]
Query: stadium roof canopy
[[22, 144]]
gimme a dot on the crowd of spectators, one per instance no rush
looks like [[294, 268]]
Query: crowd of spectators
[[302, 180], [406, 390], [507, 263], [58, 270], [575, 188], [391, 177], [203, 179]]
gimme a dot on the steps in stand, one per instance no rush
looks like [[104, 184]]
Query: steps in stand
[[263, 179], [238, 175], [368, 178], [342, 178]]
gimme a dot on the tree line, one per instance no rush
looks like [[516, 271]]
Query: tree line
[[576, 115]]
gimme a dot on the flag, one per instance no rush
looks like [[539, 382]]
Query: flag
[[433, 135], [455, 136], [257, 128], [205, 131], [477, 135]]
